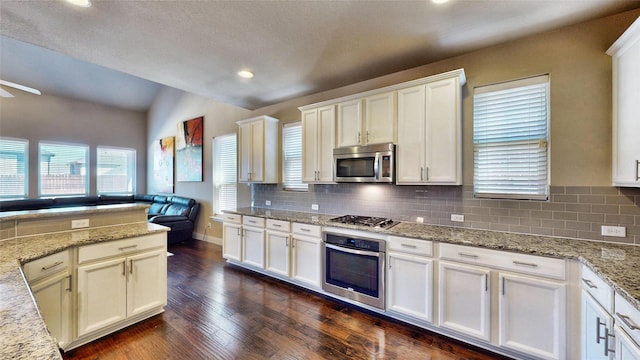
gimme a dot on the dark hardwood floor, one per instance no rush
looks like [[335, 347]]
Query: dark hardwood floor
[[219, 311]]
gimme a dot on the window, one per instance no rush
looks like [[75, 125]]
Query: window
[[13, 168], [224, 173], [510, 137], [292, 157], [63, 169], [116, 172]]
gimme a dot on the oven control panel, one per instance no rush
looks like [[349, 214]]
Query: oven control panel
[[355, 243]]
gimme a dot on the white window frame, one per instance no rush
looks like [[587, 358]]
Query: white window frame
[[85, 175], [130, 171], [4, 195], [292, 157], [225, 174], [511, 139]]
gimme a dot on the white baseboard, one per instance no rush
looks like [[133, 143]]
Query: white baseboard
[[208, 238]]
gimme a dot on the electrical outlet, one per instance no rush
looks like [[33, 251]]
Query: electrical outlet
[[80, 223], [209, 225], [419, 219], [267, 202], [615, 231], [314, 207], [457, 218]]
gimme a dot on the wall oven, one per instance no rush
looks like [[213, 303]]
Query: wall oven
[[366, 163], [354, 268]]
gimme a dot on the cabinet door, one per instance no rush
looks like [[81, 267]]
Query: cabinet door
[[465, 300], [102, 295], [349, 124], [244, 152], [306, 253], [253, 246], [410, 285], [257, 151], [380, 118], [277, 245], [146, 281], [232, 241], [443, 122], [326, 141], [532, 316], [310, 139], [53, 296], [596, 324], [410, 151], [626, 348]]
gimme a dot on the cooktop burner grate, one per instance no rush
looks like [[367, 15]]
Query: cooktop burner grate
[[371, 221]]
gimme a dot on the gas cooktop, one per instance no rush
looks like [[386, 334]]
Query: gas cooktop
[[371, 221]]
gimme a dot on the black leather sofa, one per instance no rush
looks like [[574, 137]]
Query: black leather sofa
[[176, 212]]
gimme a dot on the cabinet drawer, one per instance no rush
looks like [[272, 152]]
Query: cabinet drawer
[[599, 289], [38, 269], [410, 246], [232, 218], [306, 229], [627, 317], [521, 263], [120, 247], [253, 221], [278, 225]]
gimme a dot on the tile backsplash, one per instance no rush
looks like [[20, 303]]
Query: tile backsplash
[[572, 211]]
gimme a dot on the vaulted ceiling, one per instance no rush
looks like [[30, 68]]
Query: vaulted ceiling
[[121, 52]]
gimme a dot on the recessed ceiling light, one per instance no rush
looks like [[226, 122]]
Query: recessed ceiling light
[[439, 1], [245, 74], [81, 3]]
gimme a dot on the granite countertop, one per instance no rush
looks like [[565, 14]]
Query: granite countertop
[[617, 264], [23, 334], [71, 210]]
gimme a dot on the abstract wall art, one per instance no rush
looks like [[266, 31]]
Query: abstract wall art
[[163, 154], [189, 150]]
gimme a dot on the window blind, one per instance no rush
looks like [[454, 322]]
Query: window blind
[[13, 168], [63, 169], [292, 157], [224, 173], [510, 136], [116, 169]]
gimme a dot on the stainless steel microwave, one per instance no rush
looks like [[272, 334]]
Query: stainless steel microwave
[[366, 163]]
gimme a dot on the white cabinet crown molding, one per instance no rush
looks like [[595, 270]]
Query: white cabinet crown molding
[[446, 75]]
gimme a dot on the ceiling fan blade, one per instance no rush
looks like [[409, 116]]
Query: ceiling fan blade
[[5, 94], [20, 87]]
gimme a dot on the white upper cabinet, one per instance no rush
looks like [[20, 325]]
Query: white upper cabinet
[[258, 150], [380, 118], [625, 53], [349, 127], [430, 133], [318, 139]]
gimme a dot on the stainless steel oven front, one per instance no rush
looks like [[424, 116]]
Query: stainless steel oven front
[[354, 267]]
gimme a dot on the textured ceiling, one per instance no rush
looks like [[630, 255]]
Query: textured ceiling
[[294, 47]]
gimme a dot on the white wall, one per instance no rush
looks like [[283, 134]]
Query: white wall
[[170, 108]]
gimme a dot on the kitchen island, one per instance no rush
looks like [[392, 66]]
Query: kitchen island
[[23, 334]]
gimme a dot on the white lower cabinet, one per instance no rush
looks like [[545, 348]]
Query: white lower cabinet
[[231, 241], [410, 278], [529, 316], [465, 299], [50, 282], [278, 247], [119, 283], [253, 241], [626, 348], [306, 254], [596, 330], [532, 316]]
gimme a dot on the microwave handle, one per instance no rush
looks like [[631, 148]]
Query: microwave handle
[[376, 166]]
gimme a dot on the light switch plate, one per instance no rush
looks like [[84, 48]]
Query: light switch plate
[[80, 223], [457, 218], [314, 207], [267, 202], [615, 231]]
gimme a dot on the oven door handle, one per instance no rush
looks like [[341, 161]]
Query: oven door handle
[[352, 251]]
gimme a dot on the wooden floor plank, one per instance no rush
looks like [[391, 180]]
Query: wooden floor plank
[[219, 311]]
